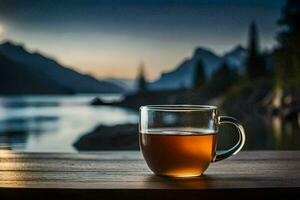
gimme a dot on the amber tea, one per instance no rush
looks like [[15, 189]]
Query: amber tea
[[174, 153]]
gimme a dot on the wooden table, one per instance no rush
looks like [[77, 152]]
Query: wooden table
[[124, 175]]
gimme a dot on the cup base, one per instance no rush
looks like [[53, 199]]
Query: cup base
[[179, 175]]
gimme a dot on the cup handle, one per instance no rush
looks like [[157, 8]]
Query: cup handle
[[238, 146]]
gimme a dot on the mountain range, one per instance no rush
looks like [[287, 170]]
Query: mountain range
[[181, 76], [23, 72]]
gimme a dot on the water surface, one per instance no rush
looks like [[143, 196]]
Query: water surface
[[54, 123]]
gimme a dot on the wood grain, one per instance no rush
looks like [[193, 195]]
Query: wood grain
[[125, 174]]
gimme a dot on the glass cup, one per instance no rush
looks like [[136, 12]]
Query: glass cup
[[181, 140]]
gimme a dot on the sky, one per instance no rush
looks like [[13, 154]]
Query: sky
[[111, 38]]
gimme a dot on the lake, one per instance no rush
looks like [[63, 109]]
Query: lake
[[54, 123]]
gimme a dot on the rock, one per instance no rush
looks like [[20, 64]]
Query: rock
[[119, 137], [97, 101]]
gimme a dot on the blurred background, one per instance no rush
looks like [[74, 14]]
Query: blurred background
[[74, 73]]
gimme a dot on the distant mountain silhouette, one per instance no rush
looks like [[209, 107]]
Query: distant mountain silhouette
[[44, 75], [128, 85], [235, 58], [15, 78], [181, 77]]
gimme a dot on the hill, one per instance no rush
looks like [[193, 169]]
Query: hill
[[48, 71]]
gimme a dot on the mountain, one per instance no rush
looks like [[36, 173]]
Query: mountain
[[181, 77], [53, 73], [128, 85], [236, 58], [17, 79]]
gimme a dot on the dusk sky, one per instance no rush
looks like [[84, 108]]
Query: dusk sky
[[110, 38]]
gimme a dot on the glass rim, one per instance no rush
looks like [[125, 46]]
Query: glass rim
[[178, 107]]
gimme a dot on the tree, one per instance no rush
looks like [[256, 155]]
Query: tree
[[199, 75], [141, 80], [287, 55], [254, 62], [222, 79]]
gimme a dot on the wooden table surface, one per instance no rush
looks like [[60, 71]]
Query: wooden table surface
[[116, 174]]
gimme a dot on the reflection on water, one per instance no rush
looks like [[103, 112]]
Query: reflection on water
[[286, 133], [264, 133], [43, 123]]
